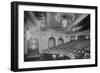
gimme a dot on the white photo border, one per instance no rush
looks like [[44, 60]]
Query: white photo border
[[33, 64]]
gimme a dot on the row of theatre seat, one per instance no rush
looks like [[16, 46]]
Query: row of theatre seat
[[75, 48]]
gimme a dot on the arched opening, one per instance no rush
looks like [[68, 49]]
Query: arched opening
[[51, 42], [60, 41]]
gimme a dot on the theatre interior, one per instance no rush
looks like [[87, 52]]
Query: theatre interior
[[56, 36]]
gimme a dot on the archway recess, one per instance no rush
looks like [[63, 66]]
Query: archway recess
[[60, 41], [51, 42]]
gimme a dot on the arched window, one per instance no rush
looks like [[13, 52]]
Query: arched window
[[51, 42], [60, 41]]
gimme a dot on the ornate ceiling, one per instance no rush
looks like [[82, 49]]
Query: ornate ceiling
[[66, 22]]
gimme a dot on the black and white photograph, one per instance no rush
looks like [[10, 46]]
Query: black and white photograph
[[53, 36], [56, 36]]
